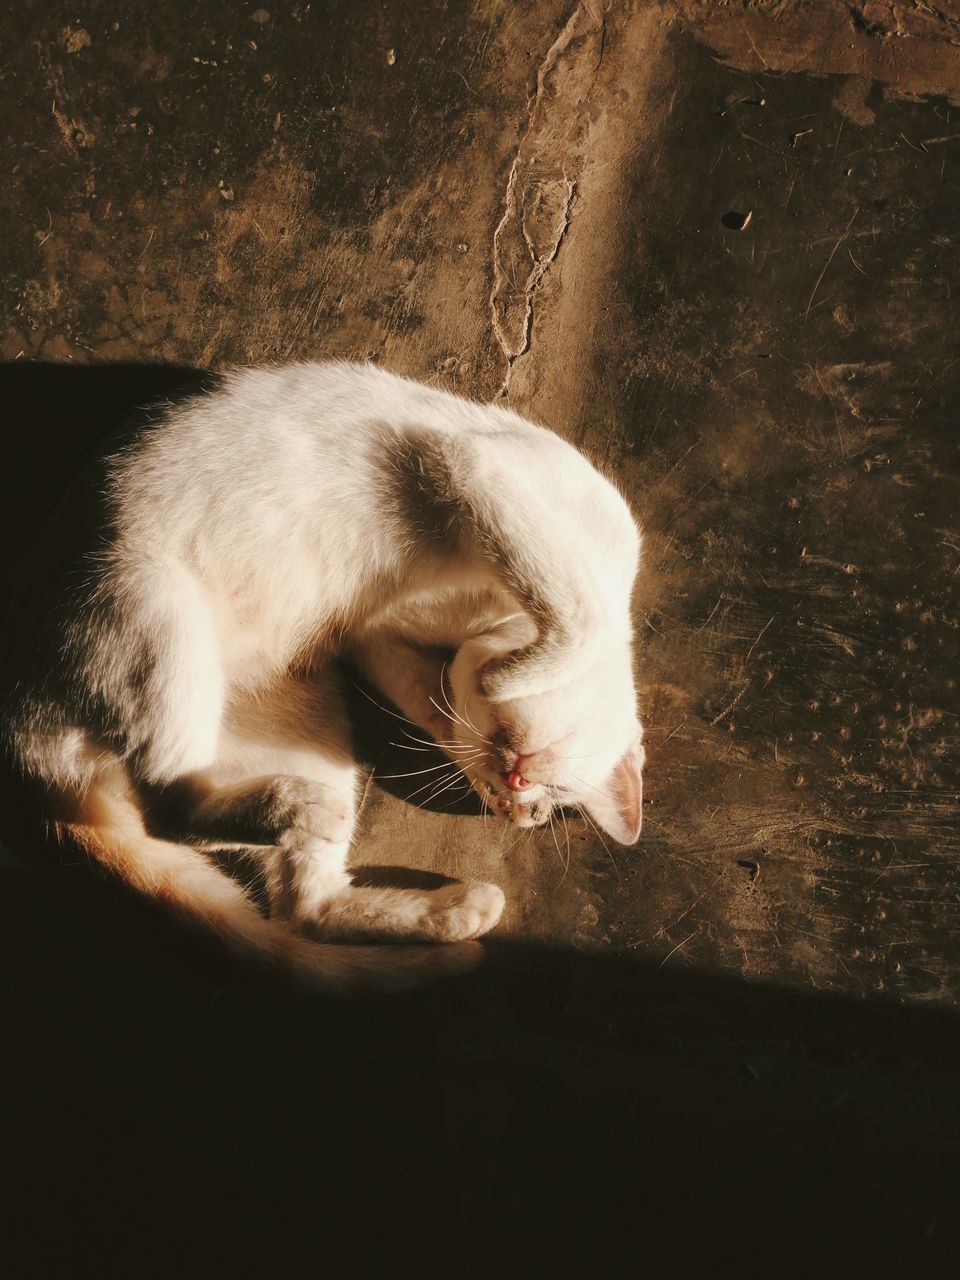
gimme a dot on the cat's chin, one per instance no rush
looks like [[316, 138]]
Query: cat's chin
[[521, 812]]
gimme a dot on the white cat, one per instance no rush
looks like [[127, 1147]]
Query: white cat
[[253, 534]]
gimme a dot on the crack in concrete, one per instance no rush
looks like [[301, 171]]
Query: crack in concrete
[[537, 204], [540, 264]]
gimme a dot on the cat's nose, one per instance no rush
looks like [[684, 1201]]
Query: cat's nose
[[515, 780]]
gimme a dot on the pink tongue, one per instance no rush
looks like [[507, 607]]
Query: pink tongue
[[515, 781]]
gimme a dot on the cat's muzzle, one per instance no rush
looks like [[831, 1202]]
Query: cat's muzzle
[[522, 812]]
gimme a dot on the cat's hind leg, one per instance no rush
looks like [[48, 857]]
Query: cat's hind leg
[[285, 781], [105, 820]]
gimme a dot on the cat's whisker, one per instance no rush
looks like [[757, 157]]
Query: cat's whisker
[[566, 833], [436, 793], [504, 827], [427, 742], [434, 750], [456, 799], [556, 845], [416, 773], [386, 710], [451, 745], [445, 714], [455, 772], [454, 719], [450, 707], [464, 719], [448, 744], [523, 832], [586, 817], [471, 725], [458, 778]]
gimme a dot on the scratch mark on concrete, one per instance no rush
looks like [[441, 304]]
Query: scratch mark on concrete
[[665, 929], [727, 709], [826, 265], [673, 731], [757, 641], [675, 949]]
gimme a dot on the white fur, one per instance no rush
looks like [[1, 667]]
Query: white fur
[[291, 515]]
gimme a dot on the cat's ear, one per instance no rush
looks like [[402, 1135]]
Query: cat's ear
[[617, 806]]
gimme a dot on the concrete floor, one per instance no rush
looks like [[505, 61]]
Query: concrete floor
[[716, 245]]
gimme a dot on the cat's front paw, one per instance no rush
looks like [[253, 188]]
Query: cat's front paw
[[462, 911]]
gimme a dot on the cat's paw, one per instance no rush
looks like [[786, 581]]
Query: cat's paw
[[462, 911]]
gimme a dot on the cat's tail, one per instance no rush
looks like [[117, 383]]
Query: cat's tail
[[108, 825]]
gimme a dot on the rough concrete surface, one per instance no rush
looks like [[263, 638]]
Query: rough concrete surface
[[716, 245]]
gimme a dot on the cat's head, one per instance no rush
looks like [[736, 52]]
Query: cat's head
[[577, 744]]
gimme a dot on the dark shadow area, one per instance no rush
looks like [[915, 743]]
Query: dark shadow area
[[559, 1108], [60, 418]]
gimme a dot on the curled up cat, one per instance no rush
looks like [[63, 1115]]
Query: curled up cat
[[473, 567]]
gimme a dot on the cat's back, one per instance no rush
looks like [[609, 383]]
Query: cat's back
[[317, 414], [296, 450], [260, 451], [312, 432]]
